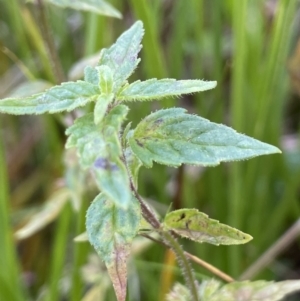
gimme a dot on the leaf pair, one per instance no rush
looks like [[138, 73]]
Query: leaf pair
[[116, 64]]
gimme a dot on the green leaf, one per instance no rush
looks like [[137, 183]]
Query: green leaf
[[211, 290], [116, 117], [101, 106], [95, 6], [91, 75], [65, 97], [179, 293], [121, 57], [197, 226], [111, 177], [87, 138], [98, 148], [158, 89], [111, 230], [172, 137], [105, 79], [134, 164]]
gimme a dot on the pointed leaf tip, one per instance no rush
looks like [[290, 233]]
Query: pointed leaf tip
[[197, 226], [172, 137], [111, 230], [122, 57], [158, 89]]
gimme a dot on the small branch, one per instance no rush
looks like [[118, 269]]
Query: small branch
[[199, 261], [266, 258], [48, 38], [169, 240], [183, 263]]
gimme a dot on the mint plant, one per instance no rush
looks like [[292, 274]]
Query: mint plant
[[114, 153]]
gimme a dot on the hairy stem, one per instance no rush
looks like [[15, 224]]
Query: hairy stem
[[48, 38], [169, 240], [173, 244], [199, 261], [183, 263], [147, 213]]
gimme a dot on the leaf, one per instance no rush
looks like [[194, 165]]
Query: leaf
[[197, 226], [111, 177], [100, 76], [105, 79], [111, 230], [95, 6], [65, 97], [134, 164], [179, 293], [75, 178], [101, 106], [158, 89], [87, 138], [121, 57], [98, 148], [172, 137], [91, 75], [211, 290]]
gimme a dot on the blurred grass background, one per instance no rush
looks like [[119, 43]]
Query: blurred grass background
[[249, 47]]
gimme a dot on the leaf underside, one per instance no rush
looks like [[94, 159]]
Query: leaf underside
[[197, 226], [158, 89], [111, 230], [65, 97], [96, 6], [172, 137]]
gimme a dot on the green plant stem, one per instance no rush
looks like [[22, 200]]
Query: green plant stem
[[169, 239], [147, 213], [172, 243], [183, 262], [55, 62], [225, 277]]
